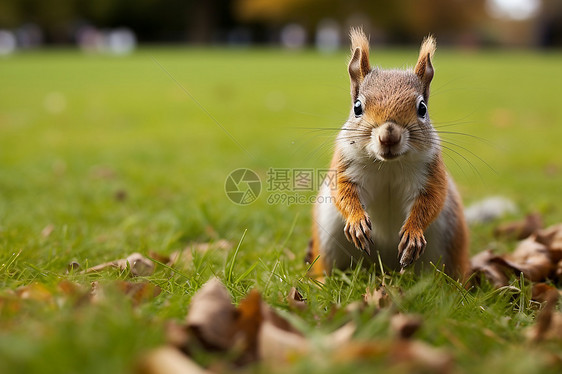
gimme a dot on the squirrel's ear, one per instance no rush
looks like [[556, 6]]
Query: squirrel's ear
[[359, 65], [424, 68]]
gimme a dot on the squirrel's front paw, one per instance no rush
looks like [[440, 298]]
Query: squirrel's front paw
[[411, 247], [358, 232]]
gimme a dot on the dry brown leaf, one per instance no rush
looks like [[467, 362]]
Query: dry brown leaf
[[378, 298], [137, 263], [69, 288], [415, 356], [558, 270], [177, 335], [538, 258], [249, 321], [341, 336], [548, 327], [139, 291], [72, 267], [167, 360], [361, 350], [296, 300], [405, 325], [354, 307], [35, 292], [544, 293], [72, 292], [10, 304], [278, 345], [421, 357], [520, 229], [532, 259], [212, 317], [490, 266], [96, 292], [551, 237], [140, 265], [549, 322], [274, 318]]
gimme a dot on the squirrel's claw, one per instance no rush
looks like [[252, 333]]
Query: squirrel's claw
[[358, 232], [411, 247]]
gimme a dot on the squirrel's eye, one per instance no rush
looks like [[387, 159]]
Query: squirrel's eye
[[422, 109], [358, 108]]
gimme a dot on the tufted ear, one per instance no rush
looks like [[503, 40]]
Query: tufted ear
[[424, 68], [359, 65]]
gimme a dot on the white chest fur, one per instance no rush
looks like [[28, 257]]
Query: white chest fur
[[387, 191]]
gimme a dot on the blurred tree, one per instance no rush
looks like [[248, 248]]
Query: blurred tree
[[550, 23], [403, 20], [152, 20]]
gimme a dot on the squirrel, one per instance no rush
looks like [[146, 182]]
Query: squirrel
[[391, 195]]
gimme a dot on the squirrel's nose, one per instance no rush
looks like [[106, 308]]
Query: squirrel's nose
[[389, 138]]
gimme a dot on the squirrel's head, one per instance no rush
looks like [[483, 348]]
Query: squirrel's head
[[389, 116]]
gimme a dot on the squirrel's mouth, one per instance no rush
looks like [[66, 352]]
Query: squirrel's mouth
[[388, 142], [389, 155]]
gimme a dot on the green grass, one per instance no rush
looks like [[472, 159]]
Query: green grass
[[125, 126]]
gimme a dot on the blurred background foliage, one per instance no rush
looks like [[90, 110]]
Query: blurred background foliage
[[464, 22]]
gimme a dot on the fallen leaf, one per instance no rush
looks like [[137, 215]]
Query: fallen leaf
[[72, 266], [405, 325], [489, 265], [378, 298], [212, 317], [421, 357], [341, 336], [278, 345], [137, 263], [10, 304], [542, 292], [177, 335], [520, 229], [538, 258], [70, 288], [248, 323], [548, 323], [96, 293], [275, 319], [140, 265], [551, 237], [414, 356], [167, 360], [35, 292], [139, 291], [296, 300], [532, 259]]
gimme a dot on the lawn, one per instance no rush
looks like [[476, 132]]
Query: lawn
[[103, 156]]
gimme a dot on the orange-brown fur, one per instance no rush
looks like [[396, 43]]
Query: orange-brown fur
[[394, 101], [459, 246]]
